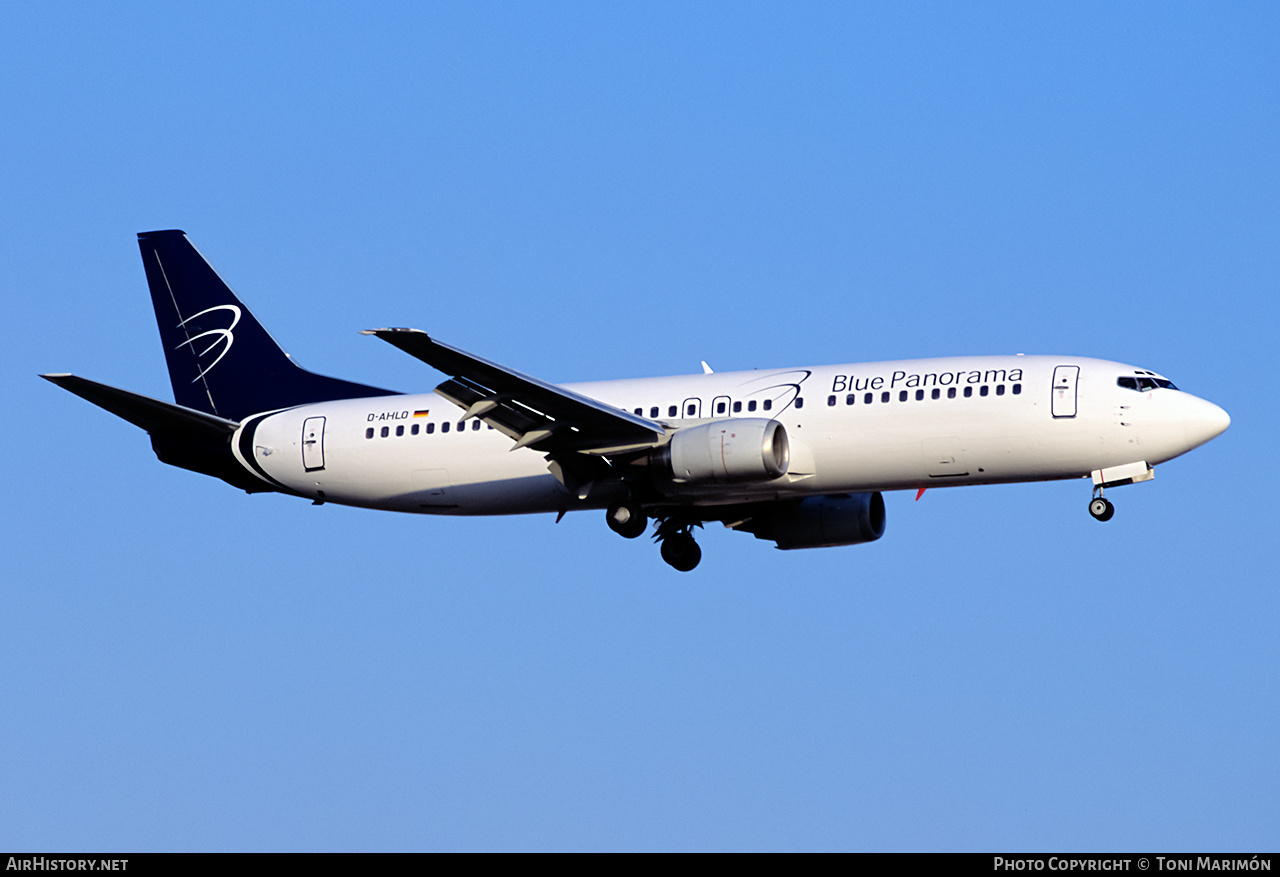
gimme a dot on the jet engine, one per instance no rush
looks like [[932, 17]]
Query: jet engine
[[724, 451], [821, 521]]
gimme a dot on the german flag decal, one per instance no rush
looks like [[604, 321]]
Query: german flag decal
[[423, 413]]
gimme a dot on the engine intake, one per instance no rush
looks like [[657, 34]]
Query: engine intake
[[739, 449], [821, 521]]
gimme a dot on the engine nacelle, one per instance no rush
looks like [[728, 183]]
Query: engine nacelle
[[724, 451], [821, 521]]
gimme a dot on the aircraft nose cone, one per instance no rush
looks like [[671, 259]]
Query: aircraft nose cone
[[1205, 421]]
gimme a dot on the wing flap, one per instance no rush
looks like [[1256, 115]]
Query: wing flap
[[534, 413]]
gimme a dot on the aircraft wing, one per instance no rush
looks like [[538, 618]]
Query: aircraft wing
[[536, 414], [156, 417]]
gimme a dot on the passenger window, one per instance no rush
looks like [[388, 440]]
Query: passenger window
[[475, 426], [984, 390], [368, 433], [999, 389], [444, 427], [850, 399], [431, 427], [968, 391], [831, 401], [799, 402], [919, 395], [737, 406], [884, 397], [399, 431], [637, 412], [386, 431], [1017, 389], [751, 406], [671, 412], [951, 392], [866, 400], [902, 395], [768, 405], [936, 394], [461, 425], [414, 429], [653, 412]]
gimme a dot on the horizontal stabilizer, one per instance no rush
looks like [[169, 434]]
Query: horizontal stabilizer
[[156, 417]]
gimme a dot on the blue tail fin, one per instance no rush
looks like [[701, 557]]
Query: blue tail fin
[[221, 360]]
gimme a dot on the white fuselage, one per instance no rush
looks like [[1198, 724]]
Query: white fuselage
[[852, 428]]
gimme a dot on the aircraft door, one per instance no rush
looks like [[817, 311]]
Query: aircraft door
[[720, 406], [313, 444], [433, 488], [691, 408], [1064, 390]]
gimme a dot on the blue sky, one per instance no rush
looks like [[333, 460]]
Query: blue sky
[[589, 191]]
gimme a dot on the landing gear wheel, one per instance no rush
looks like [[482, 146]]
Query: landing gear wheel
[[1102, 509], [681, 552], [626, 519]]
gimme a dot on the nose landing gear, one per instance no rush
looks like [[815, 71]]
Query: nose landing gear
[[1101, 508]]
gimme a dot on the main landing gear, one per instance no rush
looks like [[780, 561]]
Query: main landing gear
[[627, 519], [1101, 508], [681, 552], [678, 548]]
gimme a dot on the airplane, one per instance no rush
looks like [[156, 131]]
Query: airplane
[[796, 456]]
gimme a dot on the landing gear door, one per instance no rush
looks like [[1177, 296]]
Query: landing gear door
[[1064, 390], [313, 444]]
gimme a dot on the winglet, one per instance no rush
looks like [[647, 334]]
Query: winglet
[[706, 369]]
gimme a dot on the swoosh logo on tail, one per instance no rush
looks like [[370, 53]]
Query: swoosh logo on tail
[[222, 338]]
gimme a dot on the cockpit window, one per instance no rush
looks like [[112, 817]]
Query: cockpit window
[[1142, 385]]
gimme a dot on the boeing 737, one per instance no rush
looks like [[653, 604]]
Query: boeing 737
[[797, 456]]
